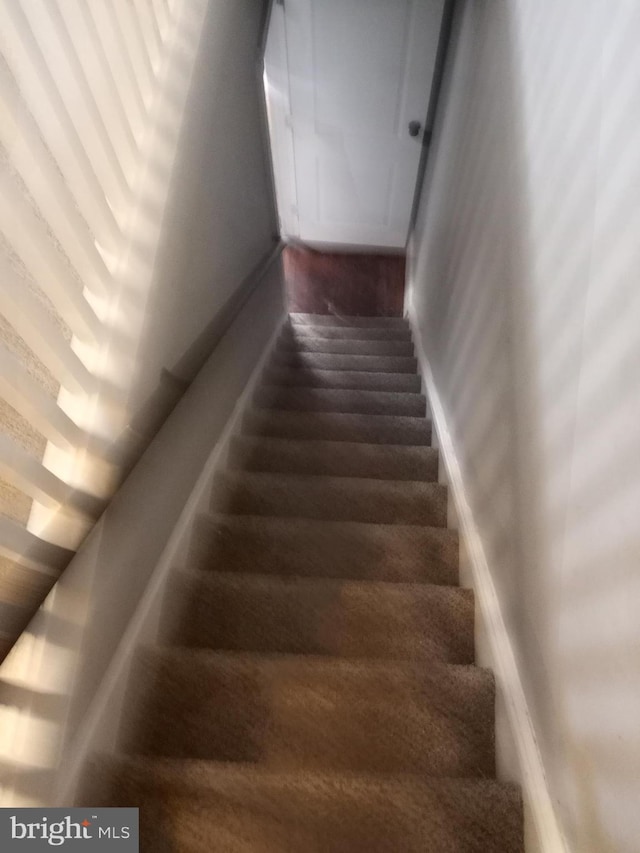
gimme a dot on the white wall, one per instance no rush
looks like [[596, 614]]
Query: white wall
[[220, 217], [524, 281]]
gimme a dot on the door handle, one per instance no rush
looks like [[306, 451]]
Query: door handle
[[414, 128]]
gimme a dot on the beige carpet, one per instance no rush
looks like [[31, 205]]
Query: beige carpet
[[317, 691]]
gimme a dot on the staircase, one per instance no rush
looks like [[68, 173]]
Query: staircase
[[319, 691]]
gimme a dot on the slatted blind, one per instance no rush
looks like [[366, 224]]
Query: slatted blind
[[79, 83]]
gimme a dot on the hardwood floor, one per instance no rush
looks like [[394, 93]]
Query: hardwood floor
[[343, 283]]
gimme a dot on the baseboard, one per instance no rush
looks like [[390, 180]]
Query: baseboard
[[100, 727], [542, 829]]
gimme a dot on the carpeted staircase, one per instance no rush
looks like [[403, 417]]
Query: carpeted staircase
[[319, 693]]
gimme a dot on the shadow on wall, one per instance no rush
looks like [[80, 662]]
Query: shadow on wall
[[202, 221], [205, 219], [111, 425], [220, 219], [524, 287]]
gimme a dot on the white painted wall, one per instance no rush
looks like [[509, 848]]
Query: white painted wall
[[524, 283], [220, 217]]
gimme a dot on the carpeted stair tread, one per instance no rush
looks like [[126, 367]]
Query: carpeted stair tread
[[353, 333], [200, 806], [322, 616], [342, 361], [299, 711], [333, 458], [331, 498], [340, 400], [347, 379], [338, 549], [338, 426], [343, 320], [345, 346], [312, 687]]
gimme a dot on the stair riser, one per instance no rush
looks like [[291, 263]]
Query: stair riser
[[345, 333], [333, 458], [343, 379], [348, 347], [288, 722], [368, 501], [321, 549], [349, 322], [240, 613], [338, 361], [356, 402], [338, 427]]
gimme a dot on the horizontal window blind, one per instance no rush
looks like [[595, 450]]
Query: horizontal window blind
[[80, 84]]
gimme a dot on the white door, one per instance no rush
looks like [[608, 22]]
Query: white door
[[359, 72]]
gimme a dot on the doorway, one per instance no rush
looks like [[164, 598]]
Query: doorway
[[347, 86]]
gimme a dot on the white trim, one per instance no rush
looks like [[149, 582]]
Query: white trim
[[543, 827], [99, 729], [277, 99]]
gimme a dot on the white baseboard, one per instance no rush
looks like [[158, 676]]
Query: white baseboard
[[100, 727], [542, 829]]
